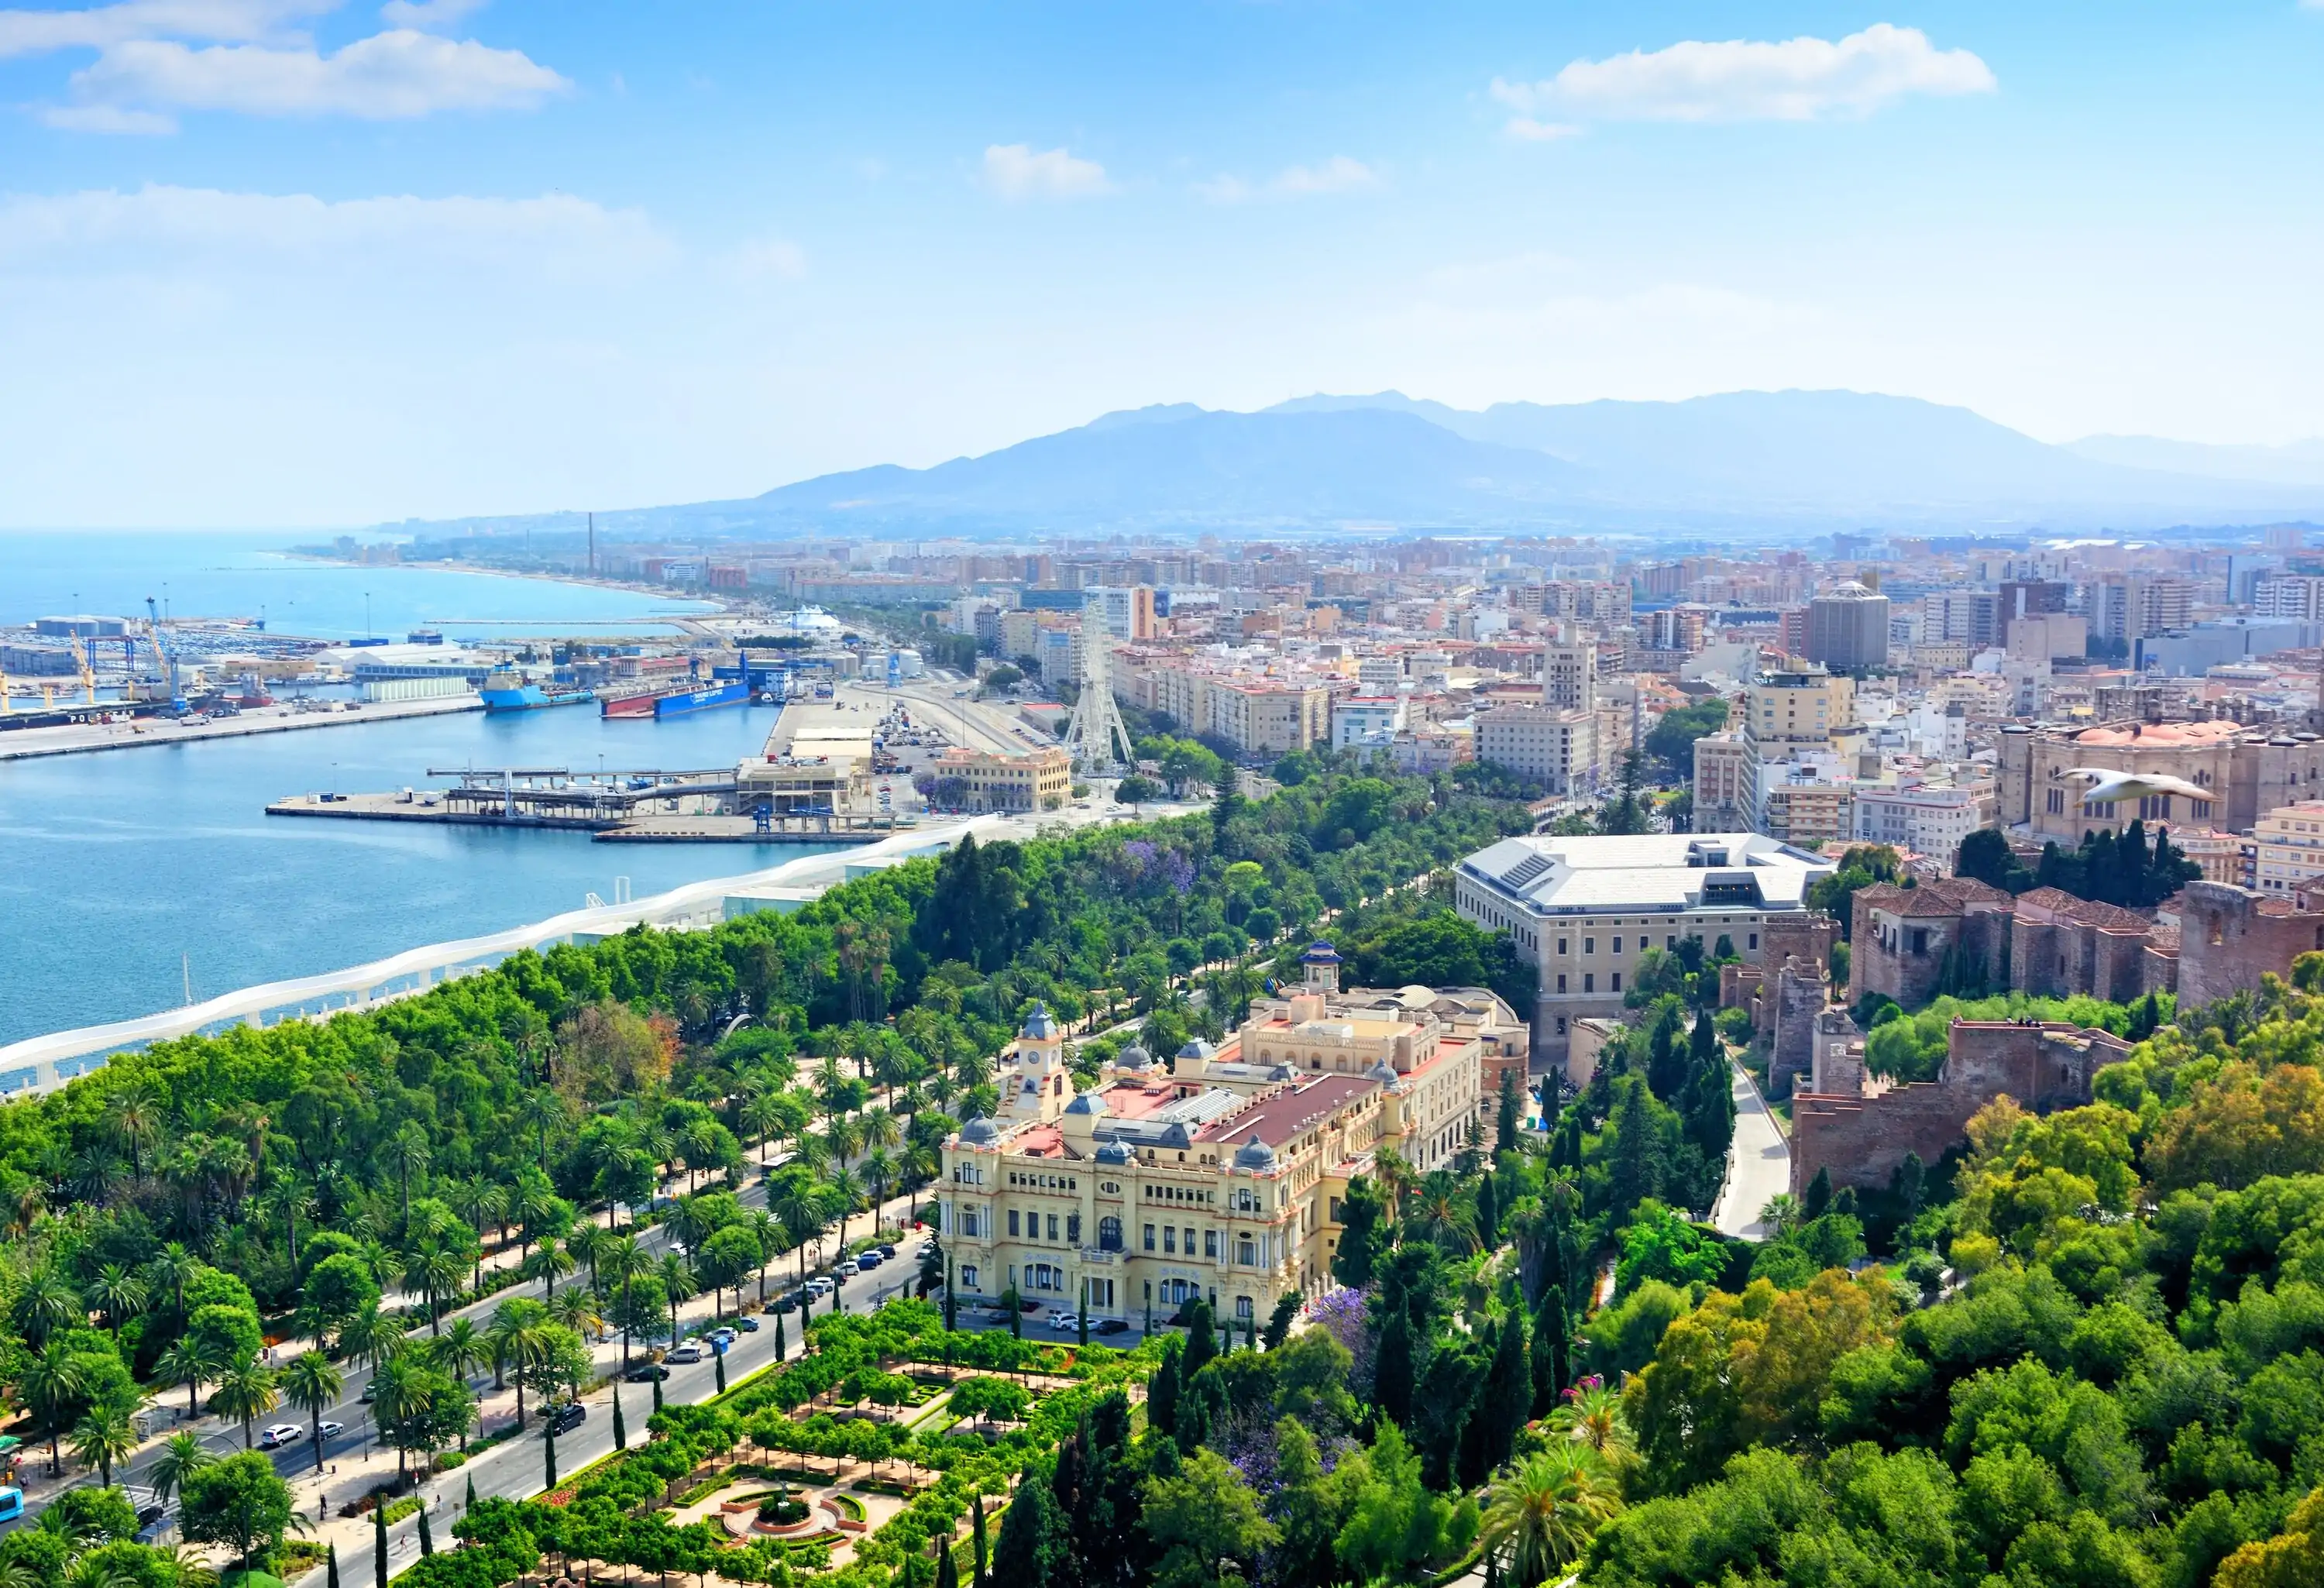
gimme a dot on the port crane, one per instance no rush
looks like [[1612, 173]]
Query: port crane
[[88, 673], [164, 656]]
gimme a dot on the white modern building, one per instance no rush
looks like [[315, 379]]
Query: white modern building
[[1927, 820], [1585, 910]]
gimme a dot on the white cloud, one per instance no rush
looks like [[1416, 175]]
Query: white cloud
[[1799, 79], [1338, 174], [105, 118], [390, 76], [429, 14], [1016, 172], [153, 226], [30, 32]]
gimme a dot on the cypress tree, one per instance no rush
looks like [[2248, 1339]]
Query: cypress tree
[[1024, 1555], [976, 1534], [1505, 1125], [1509, 1391], [655, 1382], [379, 1545], [1202, 1339], [1819, 1197], [621, 1431], [1392, 1371], [781, 1345], [947, 1571], [1552, 1351], [718, 1367], [427, 1534], [330, 1565], [1250, 1331], [472, 1492], [1489, 1212], [1082, 1317], [1162, 1388], [951, 1311], [549, 1448]]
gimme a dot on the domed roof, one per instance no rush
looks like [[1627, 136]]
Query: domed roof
[[1383, 1071], [1116, 1150], [979, 1131], [1255, 1155], [1132, 1058], [1197, 1048], [1038, 1026], [1320, 953], [1091, 1103]]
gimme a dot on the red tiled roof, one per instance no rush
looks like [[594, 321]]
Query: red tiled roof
[[1280, 1118], [2108, 917]]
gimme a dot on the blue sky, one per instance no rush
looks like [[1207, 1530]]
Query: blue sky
[[282, 262]]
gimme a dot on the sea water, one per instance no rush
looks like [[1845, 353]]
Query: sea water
[[127, 874]]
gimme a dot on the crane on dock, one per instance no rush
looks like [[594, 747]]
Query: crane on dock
[[166, 658], [88, 673]]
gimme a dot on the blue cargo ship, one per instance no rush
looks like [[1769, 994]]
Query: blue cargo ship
[[506, 689]]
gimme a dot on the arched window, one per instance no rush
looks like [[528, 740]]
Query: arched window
[[1109, 1233]]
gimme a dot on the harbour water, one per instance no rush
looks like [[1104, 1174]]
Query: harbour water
[[217, 575], [123, 876]]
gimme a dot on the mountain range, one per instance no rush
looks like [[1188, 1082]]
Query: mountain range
[[1787, 463]]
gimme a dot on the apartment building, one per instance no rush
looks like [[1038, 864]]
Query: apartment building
[[2288, 847], [1258, 716], [1925, 820], [1726, 786], [1559, 748]]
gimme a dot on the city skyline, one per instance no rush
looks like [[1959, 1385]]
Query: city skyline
[[282, 261]]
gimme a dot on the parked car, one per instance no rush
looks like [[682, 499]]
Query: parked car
[[567, 1417], [646, 1373], [688, 1353], [887, 1248], [1065, 1322], [748, 1325], [868, 1262], [819, 1286], [274, 1435], [724, 1337], [1111, 1326], [1024, 1306]]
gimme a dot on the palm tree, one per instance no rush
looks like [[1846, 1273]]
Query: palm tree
[[182, 1455], [1781, 1214], [879, 1172], [1591, 1414], [1542, 1515], [437, 1270], [677, 1284], [46, 1304], [171, 1269], [840, 1186], [371, 1337], [103, 1436], [551, 1263], [117, 1294], [398, 1392], [1396, 1178], [136, 1115], [50, 1383], [768, 1234], [517, 1342], [408, 1151], [312, 1384], [191, 1361], [797, 1206], [245, 1393], [577, 1310], [763, 1115], [482, 1202], [623, 1260], [583, 1242], [460, 1349], [1443, 1213], [542, 1110]]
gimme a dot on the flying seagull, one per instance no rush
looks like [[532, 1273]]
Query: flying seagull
[[2108, 785]]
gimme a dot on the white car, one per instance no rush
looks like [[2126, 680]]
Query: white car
[[332, 1430], [277, 1435], [1065, 1322]]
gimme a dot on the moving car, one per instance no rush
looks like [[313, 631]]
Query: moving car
[[748, 1325], [646, 1373], [723, 1336], [275, 1435], [11, 1504], [332, 1430], [567, 1417], [688, 1353], [1065, 1322], [1111, 1326], [869, 1261]]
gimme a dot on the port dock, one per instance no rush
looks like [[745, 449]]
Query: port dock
[[629, 805]]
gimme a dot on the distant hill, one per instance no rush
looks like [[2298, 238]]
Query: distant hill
[[1763, 462], [2300, 463]]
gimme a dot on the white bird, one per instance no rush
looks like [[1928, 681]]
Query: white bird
[[2108, 785]]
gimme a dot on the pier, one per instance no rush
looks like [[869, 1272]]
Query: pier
[[626, 805]]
